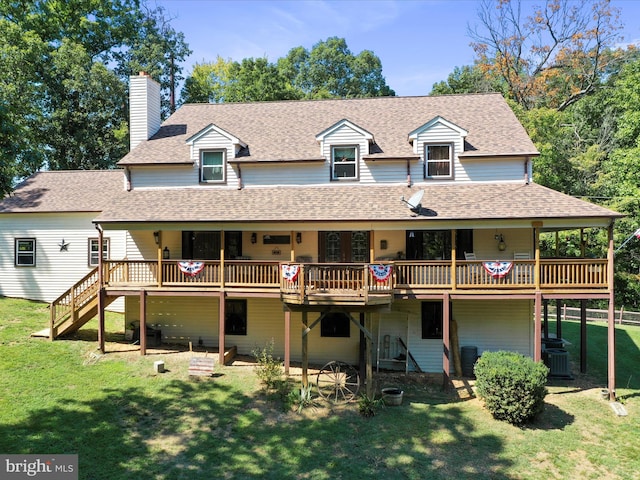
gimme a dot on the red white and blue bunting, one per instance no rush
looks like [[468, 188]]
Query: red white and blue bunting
[[290, 272], [381, 272], [191, 268], [497, 269]]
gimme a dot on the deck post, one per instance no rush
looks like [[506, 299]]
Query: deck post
[[446, 343], [221, 318], [454, 279], [159, 274], [537, 327], [366, 319], [611, 327], [305, 351], [143, 322], [287, 341], [101, 318], [101, 291], [583, 336]]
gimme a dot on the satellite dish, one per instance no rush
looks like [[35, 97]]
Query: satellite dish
[[414, 203]]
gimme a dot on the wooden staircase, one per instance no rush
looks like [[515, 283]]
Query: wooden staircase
[[76, 306]]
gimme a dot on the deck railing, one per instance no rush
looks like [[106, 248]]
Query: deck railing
[[405, 275]]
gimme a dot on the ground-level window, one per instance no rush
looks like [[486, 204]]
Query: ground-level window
[[25, 255], [431, 320], [94, 250], [335, 324], [235, 321]]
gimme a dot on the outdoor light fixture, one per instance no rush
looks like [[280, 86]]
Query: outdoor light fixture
[[383, 244], [156, 237], [299, 237], [166, 254], [254, 237], [502, 246]]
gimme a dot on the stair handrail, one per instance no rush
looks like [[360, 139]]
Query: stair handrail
[[73, 299]]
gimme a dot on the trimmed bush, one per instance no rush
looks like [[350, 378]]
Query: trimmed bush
[[511, 385]]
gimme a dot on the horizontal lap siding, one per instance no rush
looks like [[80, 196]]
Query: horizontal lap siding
[[441, 134], [184, 319], [55, 270], [165, 177], [485, 324], [493, 170], [214, 141], [313, 173]]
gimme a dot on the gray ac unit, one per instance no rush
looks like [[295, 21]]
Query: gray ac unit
[[558, 362]]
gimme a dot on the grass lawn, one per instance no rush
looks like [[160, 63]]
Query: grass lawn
[[127, 422]]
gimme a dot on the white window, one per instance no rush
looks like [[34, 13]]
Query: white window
[[212, 166], [438, 161], [344, 163], [25, 252], [94, 251]]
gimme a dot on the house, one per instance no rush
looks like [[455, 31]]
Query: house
[[377, 227]]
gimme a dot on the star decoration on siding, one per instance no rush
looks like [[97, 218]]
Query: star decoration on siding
[[64, 247]]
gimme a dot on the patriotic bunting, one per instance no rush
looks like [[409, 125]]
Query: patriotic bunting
[[191, 268], [497, 269], [290, 272], [381, 272]]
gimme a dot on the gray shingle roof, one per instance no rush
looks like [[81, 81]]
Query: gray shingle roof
[[287, 130], [65, 191], [453, 202]]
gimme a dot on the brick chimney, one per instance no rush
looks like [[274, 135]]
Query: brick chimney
[[144, 108]]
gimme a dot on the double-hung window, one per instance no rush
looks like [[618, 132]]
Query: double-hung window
[[94, 250], [344, 163], [212, 166], [25, 255], [438, 161]]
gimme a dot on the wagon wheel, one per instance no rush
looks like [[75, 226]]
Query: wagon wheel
[[338, 382]]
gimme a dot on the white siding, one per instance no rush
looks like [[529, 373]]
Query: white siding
[[144, 107], [55, 270], [493, 170], [440, 133], [345, 135], [213, 140], [314, 173], [185, 319], [164, 176], [485, 324]]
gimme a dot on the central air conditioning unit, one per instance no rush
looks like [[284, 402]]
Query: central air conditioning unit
[[558, 362]]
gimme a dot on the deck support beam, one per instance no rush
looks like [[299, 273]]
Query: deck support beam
[[446, 342], [287, 341], [221, 317], [305, 349], [583, 336], [143, 322], [611, 327], [101, 332], [537, 328]]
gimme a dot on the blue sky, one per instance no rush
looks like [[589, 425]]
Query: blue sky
[[418, 42]]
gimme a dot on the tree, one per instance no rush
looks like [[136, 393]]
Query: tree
[[330, 70], [468, 79], [553, 57], [65, 67]]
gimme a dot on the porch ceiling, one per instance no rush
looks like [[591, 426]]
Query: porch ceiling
[[352, 203]]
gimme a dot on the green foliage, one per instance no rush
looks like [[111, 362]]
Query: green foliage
[[66, 67], [300, 398], [367, 406], [511, 385], [467, 79], [269, 369], [329, 70]]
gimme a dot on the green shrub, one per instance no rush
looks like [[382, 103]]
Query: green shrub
[[367, 405], [511, 385], [269, 369]]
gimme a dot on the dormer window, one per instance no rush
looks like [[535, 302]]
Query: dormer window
[[438, 161], [344, 163], [212, 166]]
